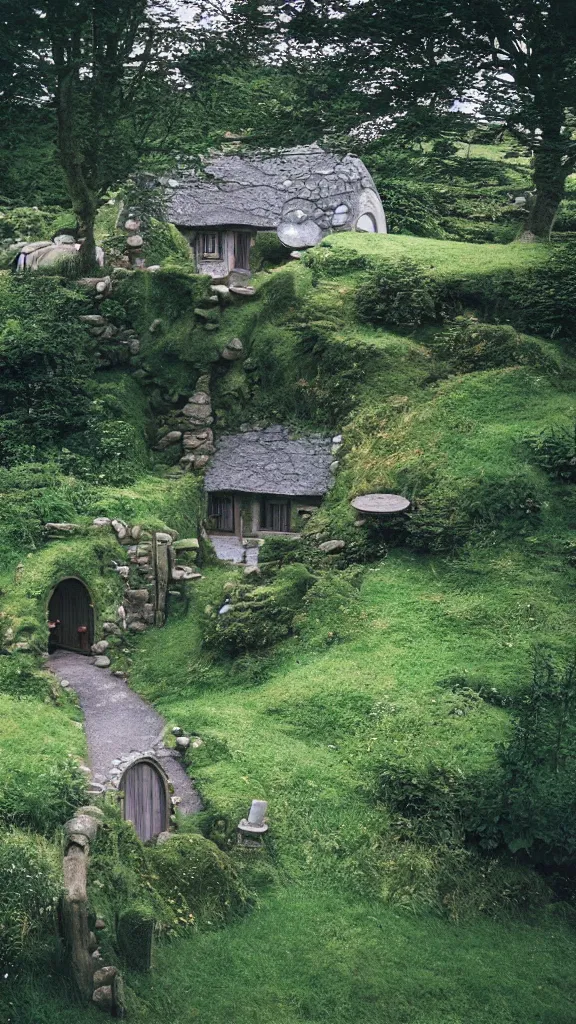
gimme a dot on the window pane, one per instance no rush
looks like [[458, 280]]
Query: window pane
[[209, 245]]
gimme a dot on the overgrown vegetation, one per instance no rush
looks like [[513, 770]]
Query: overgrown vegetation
[[378, 697]]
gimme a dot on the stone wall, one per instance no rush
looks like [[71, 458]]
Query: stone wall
[[150, 562]]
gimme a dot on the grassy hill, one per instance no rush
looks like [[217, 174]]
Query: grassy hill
[[399, 674]]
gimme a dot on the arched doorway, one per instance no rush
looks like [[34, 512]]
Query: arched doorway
[[367, 222], [146, 802], [71, 617]]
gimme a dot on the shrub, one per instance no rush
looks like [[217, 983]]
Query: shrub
[[331, 609], [554, 450], [257, 617], [30, 887], [19, 677], [541, 300], [40, 791], [331, 375], [31, 224], [468, 345], [525, 802], [165, 244], [457, 883], [538, 803], [45, 362], [397, 293], [40, 781], [278, 551], [197, 879], [267, 251], [449, 513], [327, 262]]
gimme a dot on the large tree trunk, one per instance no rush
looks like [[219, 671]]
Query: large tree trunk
[[550, 171], [84, 200], [541, 216]]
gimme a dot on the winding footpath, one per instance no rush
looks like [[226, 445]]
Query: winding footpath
[[118, 722]]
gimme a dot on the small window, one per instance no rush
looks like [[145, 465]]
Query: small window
[[210, 245], [221, 512]]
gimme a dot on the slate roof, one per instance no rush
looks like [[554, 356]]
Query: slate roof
[[271, 462], [259, 189]]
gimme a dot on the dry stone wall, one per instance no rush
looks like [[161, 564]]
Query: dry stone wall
[[151, 561]]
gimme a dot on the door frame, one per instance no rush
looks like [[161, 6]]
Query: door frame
[[92, 607], [165, 783]]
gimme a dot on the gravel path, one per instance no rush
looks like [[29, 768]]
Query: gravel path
[[118, 722]]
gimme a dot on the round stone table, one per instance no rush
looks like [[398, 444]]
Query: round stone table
[[381, 504]]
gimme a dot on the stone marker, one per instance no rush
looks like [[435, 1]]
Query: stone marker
[[331, 547]]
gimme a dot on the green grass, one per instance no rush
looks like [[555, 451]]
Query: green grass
[[350, 922], [445, 260], [315, 949]]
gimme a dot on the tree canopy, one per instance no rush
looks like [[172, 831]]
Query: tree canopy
[[514, 59]]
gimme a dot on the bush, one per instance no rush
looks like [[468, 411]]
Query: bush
[[541, 300], [40, 780], [538, 800], [468, 345], [164, 244], [457, 883], [197, 879], [267, 251], [399, 294], [449, 513], [554, 450], [30, 888], [327, 262], [256, 616], [31, 224], [45, 362], [20, 677], [331, 609], [524, 803]]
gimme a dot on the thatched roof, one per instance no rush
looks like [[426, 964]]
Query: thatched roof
[[271, 462]]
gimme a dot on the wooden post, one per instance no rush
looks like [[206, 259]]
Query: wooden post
[[75, 916]]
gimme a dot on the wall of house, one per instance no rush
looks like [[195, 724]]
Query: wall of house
[[250, 511], [223, 267], [369, 202]]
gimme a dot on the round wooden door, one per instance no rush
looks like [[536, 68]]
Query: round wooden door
[[71, 617], [145, 799]]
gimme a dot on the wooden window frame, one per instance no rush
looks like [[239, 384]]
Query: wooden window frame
[[203, 253]]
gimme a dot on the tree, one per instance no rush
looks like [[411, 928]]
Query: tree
[[103, 66], [515, 58]]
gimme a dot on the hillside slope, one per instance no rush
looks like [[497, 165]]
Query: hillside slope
[[384, 706]]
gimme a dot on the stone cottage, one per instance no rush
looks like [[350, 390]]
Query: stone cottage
[[302, 193], [264, 481]]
